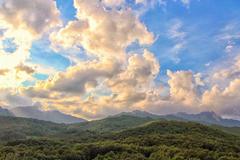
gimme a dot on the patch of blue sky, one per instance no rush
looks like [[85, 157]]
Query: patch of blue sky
[[67, 10], [42, 54], [8, 45], [28, 83], [202, 23], [40, 76]]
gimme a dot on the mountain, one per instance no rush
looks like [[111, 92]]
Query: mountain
[[5, 112], [52, 116], [210, 118], [116, 123], [138, 113]]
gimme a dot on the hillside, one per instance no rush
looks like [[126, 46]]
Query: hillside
[[5, 112], [13, 128], [122, 138], [109, 124]]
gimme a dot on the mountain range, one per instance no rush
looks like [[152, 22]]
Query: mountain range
[[36, 113], [209, 118]]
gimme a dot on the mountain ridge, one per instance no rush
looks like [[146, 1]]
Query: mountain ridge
[[52, 115], [35, 113], [207, 117], [5, 112]]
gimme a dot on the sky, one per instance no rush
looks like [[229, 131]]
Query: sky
[[95, 58]]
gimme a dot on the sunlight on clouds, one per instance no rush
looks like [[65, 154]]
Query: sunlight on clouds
[[101, 32], [113, 2], [23, 21], [184, 87]]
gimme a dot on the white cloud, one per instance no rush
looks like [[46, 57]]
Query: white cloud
[[113, 2], [101, 32], [184, 87], [178, 36], [36, 16], [23, 21]]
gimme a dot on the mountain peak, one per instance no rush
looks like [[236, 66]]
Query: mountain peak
[[211, 114]]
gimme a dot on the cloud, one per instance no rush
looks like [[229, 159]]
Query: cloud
[[24, 68], [96, 86], [226, 71], [3, 72], [36, 16], [184, 87], [178, 36], [224, 101], [229, 36], [186, 3], [23, 22], [11, 98], [101, 32], [113, 2], [175, 30]]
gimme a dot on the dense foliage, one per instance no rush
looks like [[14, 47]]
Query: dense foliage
[[115, 138]]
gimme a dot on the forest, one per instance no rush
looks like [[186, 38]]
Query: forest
[[116, 138]]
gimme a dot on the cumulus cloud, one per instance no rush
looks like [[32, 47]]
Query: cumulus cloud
[[125, 85], [184, 87], [36, 16], [23, 22], [225, 101], [101, 32]]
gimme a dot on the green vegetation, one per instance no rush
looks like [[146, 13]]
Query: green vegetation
[[115, 138]]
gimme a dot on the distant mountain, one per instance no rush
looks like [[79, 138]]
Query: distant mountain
[[52, 116], [203, 117], [5, 112], [209, 118]]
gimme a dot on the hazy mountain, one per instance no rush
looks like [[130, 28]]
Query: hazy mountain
[[203, 117], [209, 118], [53, 116], [5, 112]]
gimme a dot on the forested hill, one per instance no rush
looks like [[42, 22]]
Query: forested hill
[[116, 138]]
